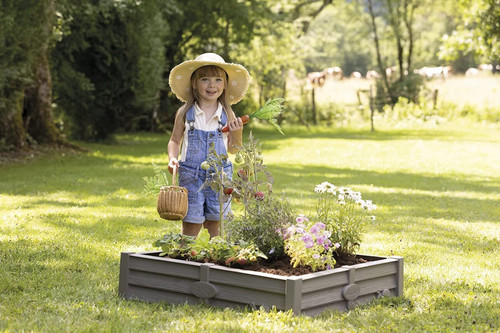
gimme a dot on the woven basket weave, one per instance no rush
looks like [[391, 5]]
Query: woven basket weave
[[173, 201]]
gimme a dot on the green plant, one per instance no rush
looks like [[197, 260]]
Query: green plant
[[308, 244], [155, 183], [345, 214], [264, 217], [206, 249], [253, 178], [218, 180], [263, 211]]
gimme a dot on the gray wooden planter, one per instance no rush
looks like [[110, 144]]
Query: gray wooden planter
[[149, 277]]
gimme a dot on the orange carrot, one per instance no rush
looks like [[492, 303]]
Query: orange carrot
[[245, 119]]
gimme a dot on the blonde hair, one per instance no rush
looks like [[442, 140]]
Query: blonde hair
[[208, 71]]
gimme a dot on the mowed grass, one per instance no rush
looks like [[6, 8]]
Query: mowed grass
[[65, 218]]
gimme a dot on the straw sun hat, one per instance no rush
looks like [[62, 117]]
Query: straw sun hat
[[237, 83]]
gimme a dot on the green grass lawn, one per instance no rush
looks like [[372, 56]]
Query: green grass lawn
[[65, 217]]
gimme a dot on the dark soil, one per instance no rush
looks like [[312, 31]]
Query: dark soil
[[284, 268]]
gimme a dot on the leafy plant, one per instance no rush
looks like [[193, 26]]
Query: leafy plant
[[264, 217], [270, 111], [264, 213], [345, 214], [253, 179], [155, 183], [206, 249]]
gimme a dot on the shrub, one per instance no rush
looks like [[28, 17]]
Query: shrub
[[260, 224]]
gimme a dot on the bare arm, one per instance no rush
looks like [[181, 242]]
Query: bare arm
[[174, 144], [235, 140]]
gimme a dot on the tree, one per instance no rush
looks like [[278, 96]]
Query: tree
[[399, 16], [109, 65], [25, 86], [477, 32]]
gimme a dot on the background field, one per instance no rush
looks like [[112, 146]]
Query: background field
[[482, 90], [65, 218]]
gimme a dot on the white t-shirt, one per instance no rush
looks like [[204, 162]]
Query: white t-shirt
[[200, 123]]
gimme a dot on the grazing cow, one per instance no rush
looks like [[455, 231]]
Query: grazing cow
[[334, 72], [390, 71], [472, 72], [485, 67], [371, 74], [356, 75], [433, 72], [316, 79]]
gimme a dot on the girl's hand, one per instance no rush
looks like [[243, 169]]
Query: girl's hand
[[173, 163], [236, 124]]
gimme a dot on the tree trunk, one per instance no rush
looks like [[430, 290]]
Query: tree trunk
[[377, 48], [12, 134], [37, 113]]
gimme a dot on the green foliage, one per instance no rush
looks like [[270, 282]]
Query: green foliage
[[23, 35], [477, 32], [409, 87], [155, 183], [270, 112], [264, 212], [260, 224], [206, 249], [345, 215], [339, 37], [253, 178], [108, 66]]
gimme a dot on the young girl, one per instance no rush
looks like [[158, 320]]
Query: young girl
[[208, 86]]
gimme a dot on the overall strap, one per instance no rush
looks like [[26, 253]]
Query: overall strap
[[190, 116], [223, 120]]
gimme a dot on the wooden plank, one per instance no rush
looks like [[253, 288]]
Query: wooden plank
[[155, 295], [324, 279], [165, 267], [382, 268], [249, 296], [377, 284], [265, 283], [293, 297], [160, 282], [399, 276], [124, 270], [322, 297]]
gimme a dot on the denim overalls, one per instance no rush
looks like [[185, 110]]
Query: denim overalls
[[202, 204]]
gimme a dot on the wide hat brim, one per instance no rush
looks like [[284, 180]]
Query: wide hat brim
[[237, 83]]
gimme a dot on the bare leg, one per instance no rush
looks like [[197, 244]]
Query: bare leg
[[212, 227], [190, 229]]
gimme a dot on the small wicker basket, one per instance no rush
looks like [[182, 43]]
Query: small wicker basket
[[173, 200]]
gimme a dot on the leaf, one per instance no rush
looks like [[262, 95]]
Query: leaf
[[275, 124], [203, 238], [271, 109]]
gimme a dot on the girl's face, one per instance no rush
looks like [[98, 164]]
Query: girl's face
[[208, 83], [209, 88]]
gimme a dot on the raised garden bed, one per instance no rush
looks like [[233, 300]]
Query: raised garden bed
[[149, 277]]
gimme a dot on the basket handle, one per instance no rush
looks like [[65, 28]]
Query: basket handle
[[174, 175]]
